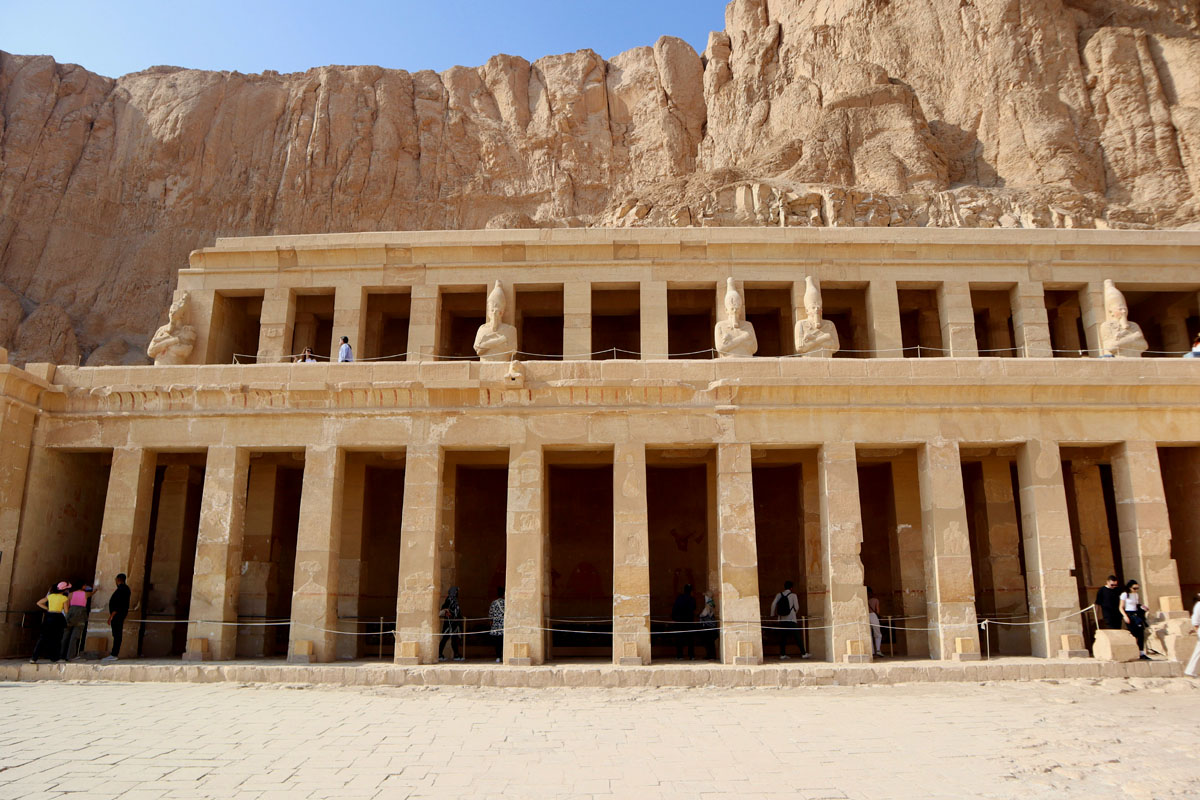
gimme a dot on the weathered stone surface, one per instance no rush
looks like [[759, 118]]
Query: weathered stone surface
[[819, 113], [1114, 645]]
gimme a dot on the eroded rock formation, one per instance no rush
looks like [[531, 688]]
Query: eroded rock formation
[[973, 113]]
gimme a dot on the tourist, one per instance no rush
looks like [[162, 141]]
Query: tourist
[[306, 357], [709, 627], [54, 620], [496, 614], [785, 606], [683, 617], [345, 354], [876, 629], [77, 616], [1134, 615], [452, 622], [1193, 664], [1108, 600], [1195, 351], [118, 609]]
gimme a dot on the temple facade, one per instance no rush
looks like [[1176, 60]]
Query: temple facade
[[979, 425]]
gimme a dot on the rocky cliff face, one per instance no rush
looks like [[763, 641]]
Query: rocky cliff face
[[973, 113]]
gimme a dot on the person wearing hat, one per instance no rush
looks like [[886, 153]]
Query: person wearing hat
[[54, 621]]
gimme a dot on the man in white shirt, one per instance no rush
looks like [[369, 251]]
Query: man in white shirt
[[786, 622], [345, 354], [1193, 664]]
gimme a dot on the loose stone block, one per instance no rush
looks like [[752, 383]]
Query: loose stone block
[[1072, 646], [1115, 645]]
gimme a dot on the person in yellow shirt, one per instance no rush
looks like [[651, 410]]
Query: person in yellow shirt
[[54, 621]]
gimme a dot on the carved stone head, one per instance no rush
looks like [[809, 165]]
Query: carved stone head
[[497, 301], [178, 312], [733, 301], [812, 298], [1115, 307]]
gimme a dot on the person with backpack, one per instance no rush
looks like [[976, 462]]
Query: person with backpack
[[785, 606], [683, 618]]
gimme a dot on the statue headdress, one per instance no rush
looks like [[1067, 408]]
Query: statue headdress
[[1112, 297], [732, 296], [497, 299], [812, 294]]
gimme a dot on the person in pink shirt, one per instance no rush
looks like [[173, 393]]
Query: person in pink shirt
[[77, 614]]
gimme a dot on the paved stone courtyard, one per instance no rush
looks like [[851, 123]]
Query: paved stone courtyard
[[1134, 738]]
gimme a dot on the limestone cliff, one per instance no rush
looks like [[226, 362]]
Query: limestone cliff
[[802, 112]]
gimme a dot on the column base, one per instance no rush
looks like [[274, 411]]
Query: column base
[[197, 650], [856, 658], [746, 661], [520, 662], [630, 661], [407, 661], [964, 657], [1074, 654]]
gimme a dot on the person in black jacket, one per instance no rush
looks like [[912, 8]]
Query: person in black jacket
[[118, 609], [1108, 600], [683, 618]]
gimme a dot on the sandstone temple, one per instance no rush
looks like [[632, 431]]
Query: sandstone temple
[[979, 425]]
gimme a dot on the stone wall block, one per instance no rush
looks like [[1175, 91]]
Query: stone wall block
[[318, 544]]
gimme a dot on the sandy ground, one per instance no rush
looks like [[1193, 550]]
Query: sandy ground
[[1136, 738]]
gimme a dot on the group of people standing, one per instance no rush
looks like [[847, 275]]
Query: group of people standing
[[65, 611], [688, 627], [1123, 609], [453, 624]]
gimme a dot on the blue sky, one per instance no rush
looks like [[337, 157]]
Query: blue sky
[[114, 38]]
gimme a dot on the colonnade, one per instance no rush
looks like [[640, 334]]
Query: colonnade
[[228, 547]]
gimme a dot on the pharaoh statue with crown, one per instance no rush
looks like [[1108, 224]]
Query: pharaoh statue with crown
[[1119, 336], [734, 335], [173, 342], [815, 337], [496, 340]]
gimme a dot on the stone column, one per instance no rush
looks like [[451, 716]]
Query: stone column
[[957, 316], [124, 536], [314, 596], [259, 528], [1003, 536], [201, 305], [631, 556], [1066, 332], [654, 319], [169, 524], [737, 553], [949, 582], [350, 560], [814, 562], [525, 558], [1172, 323], [883, 309], [276, 325], [577, 320], [16, 433], [1096, 560], [1030, 321], [419, 581], [349, 319], [910, 555], [1049, 560], [1145, 530], [423, 322], [218, 571], [1091, 308], [841, 544]]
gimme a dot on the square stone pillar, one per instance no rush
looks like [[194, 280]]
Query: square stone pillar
[[737, 553], [218, 572], [949, 582], [313, 635], [1003, 539], [525, 558], [849, 637], [1172, 326], [957, 316], [813, 567], [654, 319], [1091, 309], [276, 325], [200, 316], [631, 556], [1031, 324], [1096, 560], [419, 580], [883, 310], [1049, 560], [257, 568], [1066, 332], [170, 522], [422, 323], [124, 536], [350, 560], [910, 555], [1145, 530], [577, 321], [349, 319]]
